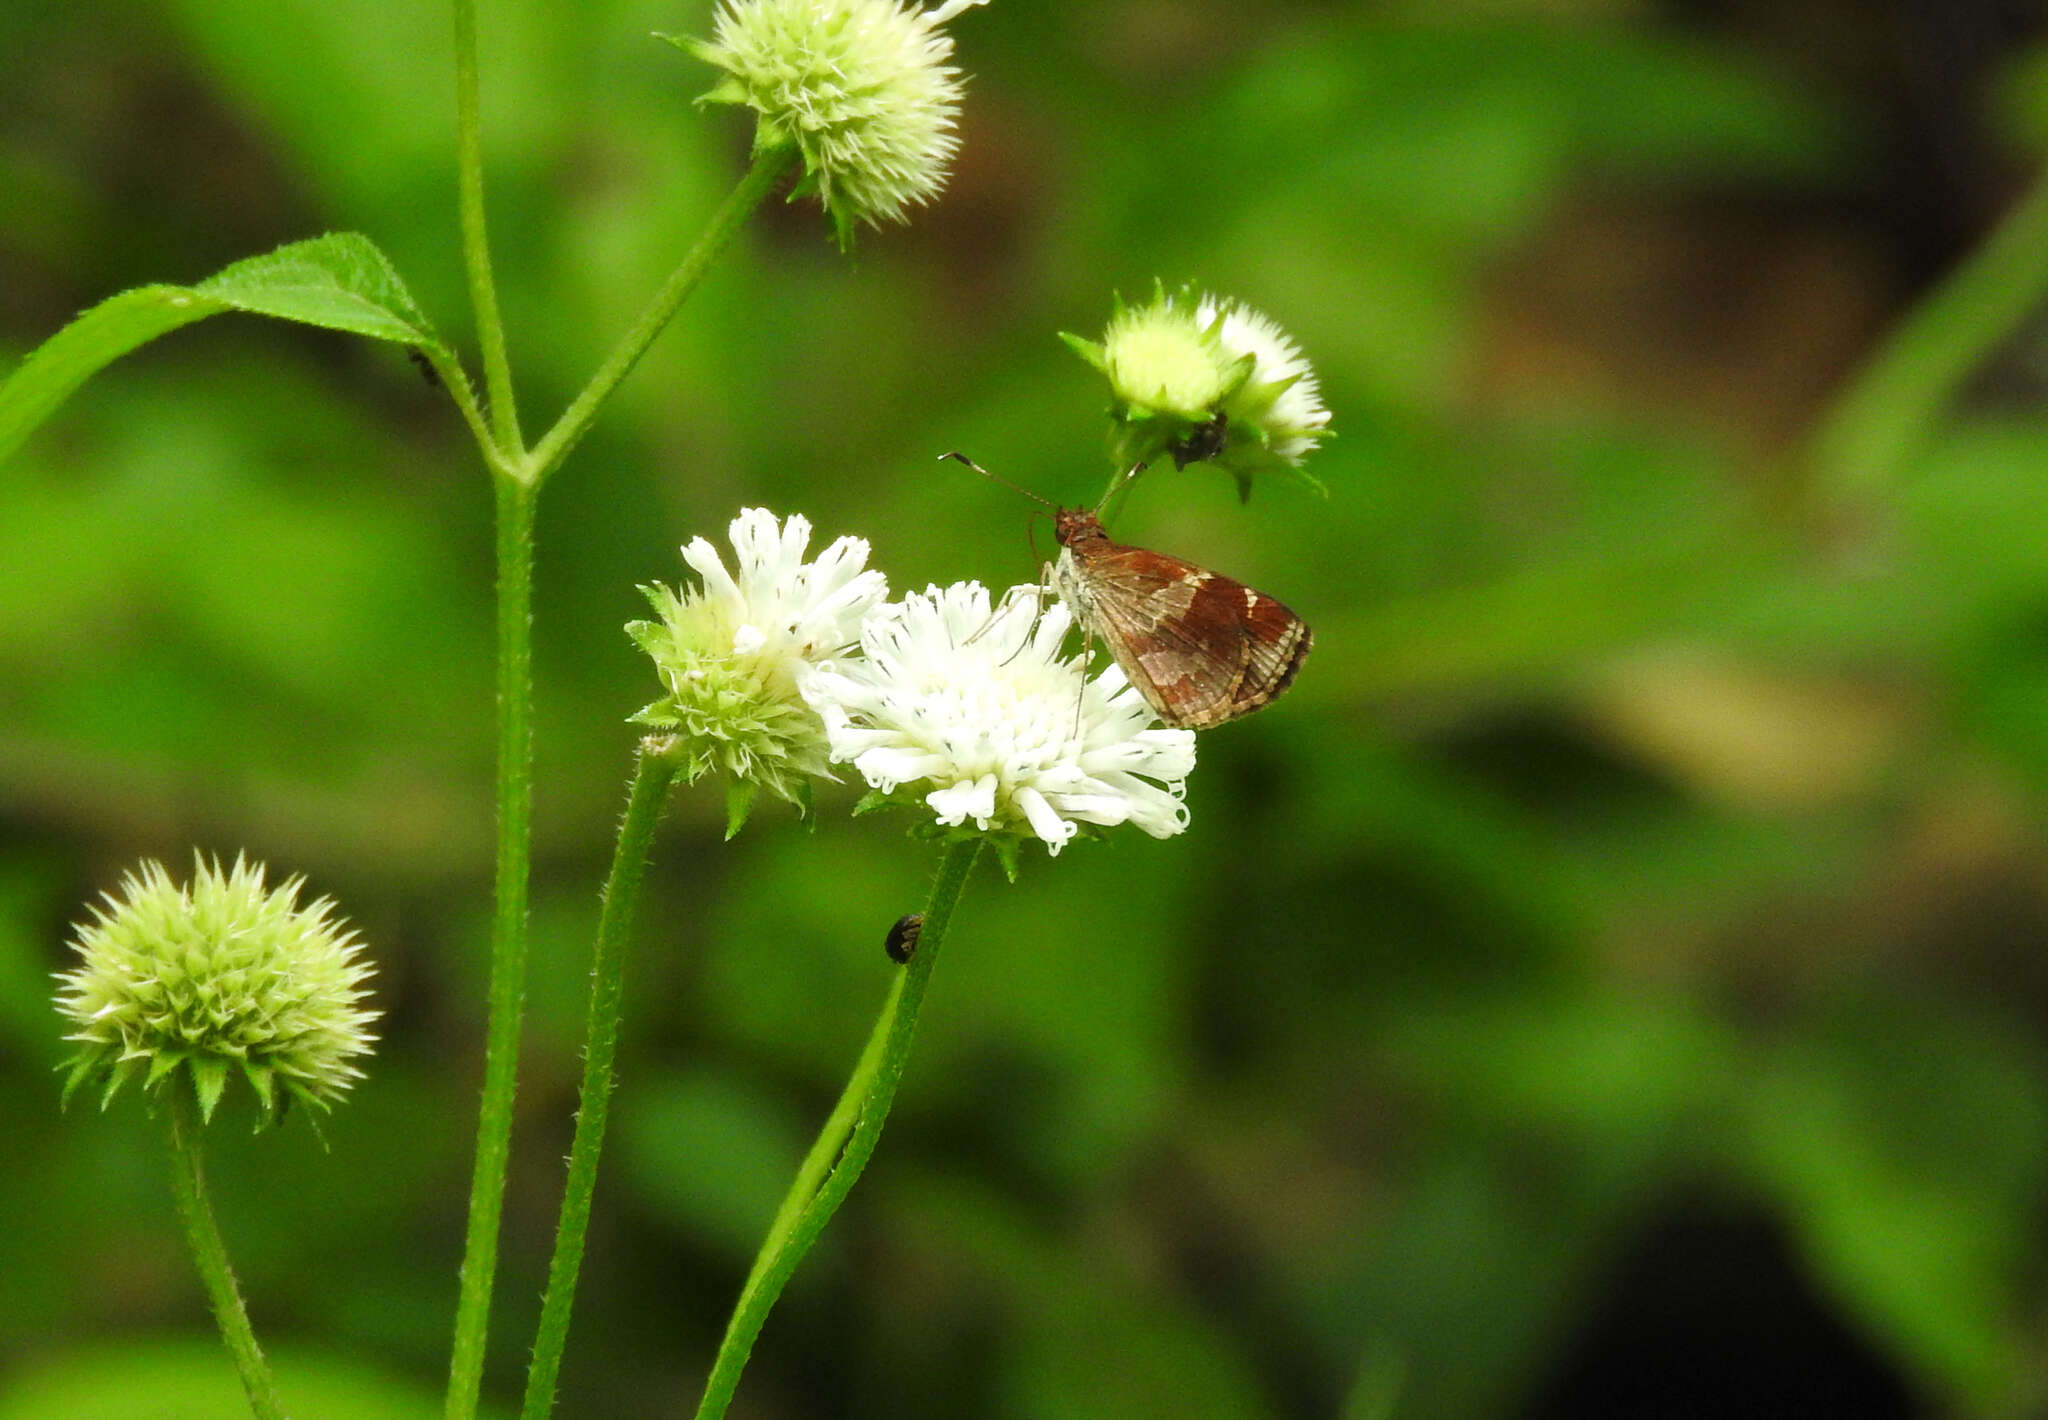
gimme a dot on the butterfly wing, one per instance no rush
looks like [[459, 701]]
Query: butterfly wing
[[1201, 648]]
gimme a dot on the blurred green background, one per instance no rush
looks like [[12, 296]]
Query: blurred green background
[[1611, 982]]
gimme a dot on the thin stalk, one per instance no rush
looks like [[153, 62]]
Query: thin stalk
[[873, 1086], [515, 504], [455, 380], [476, 247], [607, 989], [188, 1187], [769, 168], [1884, 415]]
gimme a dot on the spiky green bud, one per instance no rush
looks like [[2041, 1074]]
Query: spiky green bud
[[220, 978], [861, 87], [1207, 381]]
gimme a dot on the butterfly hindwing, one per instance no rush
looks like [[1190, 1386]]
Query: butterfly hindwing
[[1201, 648]]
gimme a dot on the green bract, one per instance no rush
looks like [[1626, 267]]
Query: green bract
[[861, 87], [220, 978]]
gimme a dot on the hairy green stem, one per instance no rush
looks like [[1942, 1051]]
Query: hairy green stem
[[813, 1199], [1883, 416], [768, 170], [188, 1186], [476, 249], [455, 380], [607, 988], [515, 505]]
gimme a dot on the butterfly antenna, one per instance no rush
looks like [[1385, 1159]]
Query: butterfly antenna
[[997, 477], [1116, 489]]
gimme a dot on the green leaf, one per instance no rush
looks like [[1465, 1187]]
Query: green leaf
[[340, 281]]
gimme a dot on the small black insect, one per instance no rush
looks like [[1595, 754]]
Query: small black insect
[[1204, 441], [424, 366], [901, 943]]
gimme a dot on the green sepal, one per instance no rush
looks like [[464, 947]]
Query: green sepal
[[1240, 371], [1088, 350], [805, 798], [80, 1068], [117, 1077], [1008, 852], [873, 801], [311, 1108], [726, 91], [161, 1064], [739, 802], [261, 1079], [209, 1080], [649, 636], [655, 714]]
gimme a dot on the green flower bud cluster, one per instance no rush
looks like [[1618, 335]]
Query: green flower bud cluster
[[219, 978]]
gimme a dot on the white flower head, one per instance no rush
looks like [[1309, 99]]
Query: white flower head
[[1280, 398], [733, 652], [861, 87], [974, 711], [1207, 381]]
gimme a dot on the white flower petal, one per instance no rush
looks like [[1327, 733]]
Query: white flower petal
[[965, 800], [975, 702], [704, 560]]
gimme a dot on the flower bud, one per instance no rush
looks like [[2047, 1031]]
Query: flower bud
[[220, 978], [861, 87], [1207, 381]]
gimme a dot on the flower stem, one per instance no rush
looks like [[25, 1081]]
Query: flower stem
[[476, 249], [769, 168], [607, 987], [188, 1186], [816, 1194], [515, 504], [1883, 415]]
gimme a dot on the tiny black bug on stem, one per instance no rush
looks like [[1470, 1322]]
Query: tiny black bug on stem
[[901, 943], [424, 366]]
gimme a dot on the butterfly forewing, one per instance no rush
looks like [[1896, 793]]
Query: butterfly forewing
[[1201, 648]]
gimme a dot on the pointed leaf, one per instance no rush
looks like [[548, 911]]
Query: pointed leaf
[[74, 354], [340, 281], [871, 801]]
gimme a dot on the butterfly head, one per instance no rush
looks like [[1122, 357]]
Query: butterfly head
[[1076, 525]]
